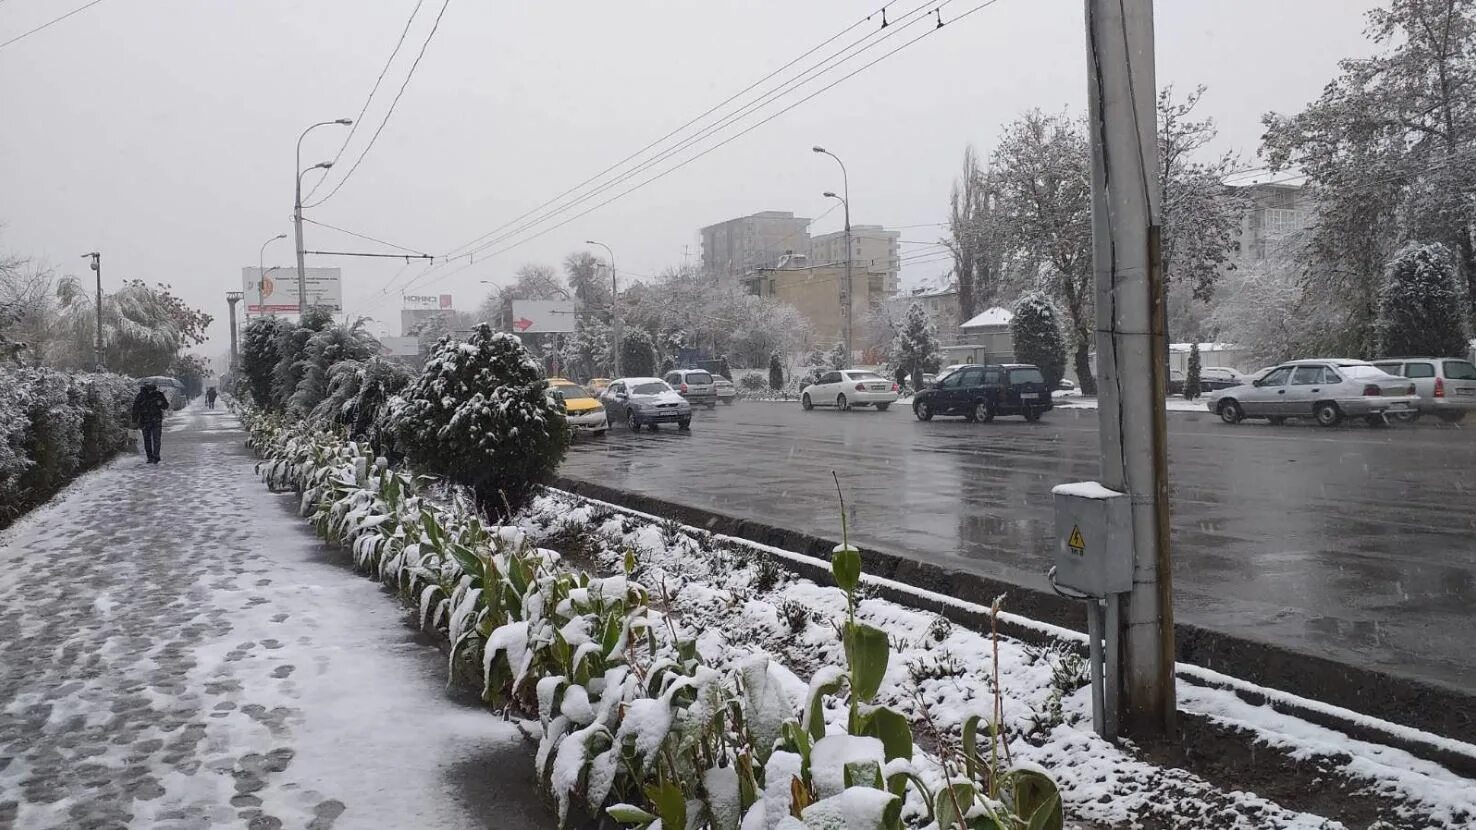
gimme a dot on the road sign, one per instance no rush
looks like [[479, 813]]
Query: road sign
[[273, 292], [542, 316]]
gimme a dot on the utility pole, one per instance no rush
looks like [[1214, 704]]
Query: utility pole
[[614, 309], [1127, 262], [98, 345], [845, 290], [297, 211], [233, 297]]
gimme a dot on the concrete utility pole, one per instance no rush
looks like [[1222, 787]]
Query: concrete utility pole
[[297, 211], [1130, 331], [233, 297], [97, 346], [845, 291], [614, 308]]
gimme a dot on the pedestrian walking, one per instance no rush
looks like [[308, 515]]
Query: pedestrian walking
[[149, 407], [210, 395]]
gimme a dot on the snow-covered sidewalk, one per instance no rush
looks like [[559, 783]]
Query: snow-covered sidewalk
[[177, 650], [1173, 404]]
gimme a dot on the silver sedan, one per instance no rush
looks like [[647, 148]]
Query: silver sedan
[[1325, 390]]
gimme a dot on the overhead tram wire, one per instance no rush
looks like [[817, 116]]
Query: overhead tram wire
[[364, 237], [391, 111], [48, 24], [372, 91], [746, 130], [768, 97], [817, 47]]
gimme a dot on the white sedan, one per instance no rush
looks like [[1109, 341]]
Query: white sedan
[[845, 388]]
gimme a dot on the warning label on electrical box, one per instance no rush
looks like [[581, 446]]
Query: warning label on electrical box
[[1076, 541]]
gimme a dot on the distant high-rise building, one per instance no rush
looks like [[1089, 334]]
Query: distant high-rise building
[[874, 251], [1279, 210], [737, 247]]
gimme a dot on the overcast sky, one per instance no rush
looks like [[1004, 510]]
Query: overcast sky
[[161, 132]]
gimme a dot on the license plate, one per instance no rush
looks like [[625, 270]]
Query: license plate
[[877, 387], [1398, 406], [1030, 396]]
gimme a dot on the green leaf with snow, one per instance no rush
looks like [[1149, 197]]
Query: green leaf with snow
[[1037, 800], [867, 653], [951, 805], [845, 566], [669, 802]]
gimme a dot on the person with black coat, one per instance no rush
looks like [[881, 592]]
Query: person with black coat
[[149, 407]]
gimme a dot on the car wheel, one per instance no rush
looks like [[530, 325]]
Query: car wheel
[[1033, 414], [727, 401], [1375, 420], [805, 403], [633, 422], [1230, 412], [882, 407], [654, 427], [1406, 417], [684, 424], [1276, 420], [1327, 414], [841, 403], [1452, 417], [922, 411], [984, 413]]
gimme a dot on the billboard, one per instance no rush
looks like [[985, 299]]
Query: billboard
[[426, 302], [540, 316], [399, 346], [273, 292]]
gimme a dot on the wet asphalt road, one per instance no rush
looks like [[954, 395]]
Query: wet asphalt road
[[1354, 543]]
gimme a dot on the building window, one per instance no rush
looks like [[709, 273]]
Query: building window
[[1282, 221]]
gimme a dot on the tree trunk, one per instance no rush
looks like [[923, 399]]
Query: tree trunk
[[1084, 368], [966, 302]]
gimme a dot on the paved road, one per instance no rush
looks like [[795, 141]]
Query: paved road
[[177, 650], [1355, 543]]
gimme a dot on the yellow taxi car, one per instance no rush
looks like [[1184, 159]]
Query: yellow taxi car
[[581, 410]]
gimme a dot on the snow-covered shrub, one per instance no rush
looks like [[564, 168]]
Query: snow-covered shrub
[[1421, 308], [54, 426], [916, 345], [358, 393], [776, 372], [1191, 375], [1036, 329], [479, 415], [259, 357], [637, 353], [324, 350], [753, 383]]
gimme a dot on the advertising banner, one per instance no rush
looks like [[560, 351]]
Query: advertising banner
[[273, 292]]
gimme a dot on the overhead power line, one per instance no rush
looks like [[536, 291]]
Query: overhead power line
[[391, 111], [48, 24], [362, 236], [359, 119]]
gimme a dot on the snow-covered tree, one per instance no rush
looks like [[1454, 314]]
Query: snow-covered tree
[[976, 236], [1036, 329], [260, 356], [1263, 310], [587, 351], [1043, 169], [916, 346], [589, 282], [358, 392], [479, 415], [1191, 375], [1420, 309], [637, 353], [1387, 152], [325, 349], [144, 327], [291, 346], [776, 372], [838, 357]]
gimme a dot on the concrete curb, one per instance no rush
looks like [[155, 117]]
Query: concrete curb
[[1441, 710]]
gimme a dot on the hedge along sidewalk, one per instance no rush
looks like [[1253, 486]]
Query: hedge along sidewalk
[[745, 607]]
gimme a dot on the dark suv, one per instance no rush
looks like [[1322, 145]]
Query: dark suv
[[981, 392]]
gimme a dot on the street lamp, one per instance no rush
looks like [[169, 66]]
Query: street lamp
[[297, 209], [96, 266], [845, 291], [614, 306], [261, 254]]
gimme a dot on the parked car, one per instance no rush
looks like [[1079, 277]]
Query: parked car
[[1446, 385], [1065, 385], [845, 388], [646, 402], [1327, 390], [980, 392], [726, 391], [597, 385], [581, 410], [696, 385], [1213, 378]]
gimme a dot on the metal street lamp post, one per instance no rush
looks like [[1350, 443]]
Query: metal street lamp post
[[614, 307], [845, 291], [97, 268], [297, 211]]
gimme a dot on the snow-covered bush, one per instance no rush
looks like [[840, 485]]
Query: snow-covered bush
[[323, 351], [479, 415], [1191, 375], [358, 395], [1036, 329], [1421, 308], [753, 383], [776, 372], [916, 345], [55, 426], [637, 353], [259, 357]]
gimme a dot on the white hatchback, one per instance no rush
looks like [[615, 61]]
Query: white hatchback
[[845, 388]]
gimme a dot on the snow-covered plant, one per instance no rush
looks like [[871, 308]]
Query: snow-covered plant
[[1036, 329], [637, 353], [839, 357], [776, 372], [1421, 310], [1191, 375], [480, 416], [916, 346], [324, 350], [358, 394]]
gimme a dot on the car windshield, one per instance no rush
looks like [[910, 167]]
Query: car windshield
[[1026, 376], [1460, 370], [654, 387], [570, 390], [865, 376], [698, 377]]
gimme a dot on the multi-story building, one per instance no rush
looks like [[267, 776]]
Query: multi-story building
[[735, 248], [874, 249], [814, 291], [1279, 209]]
